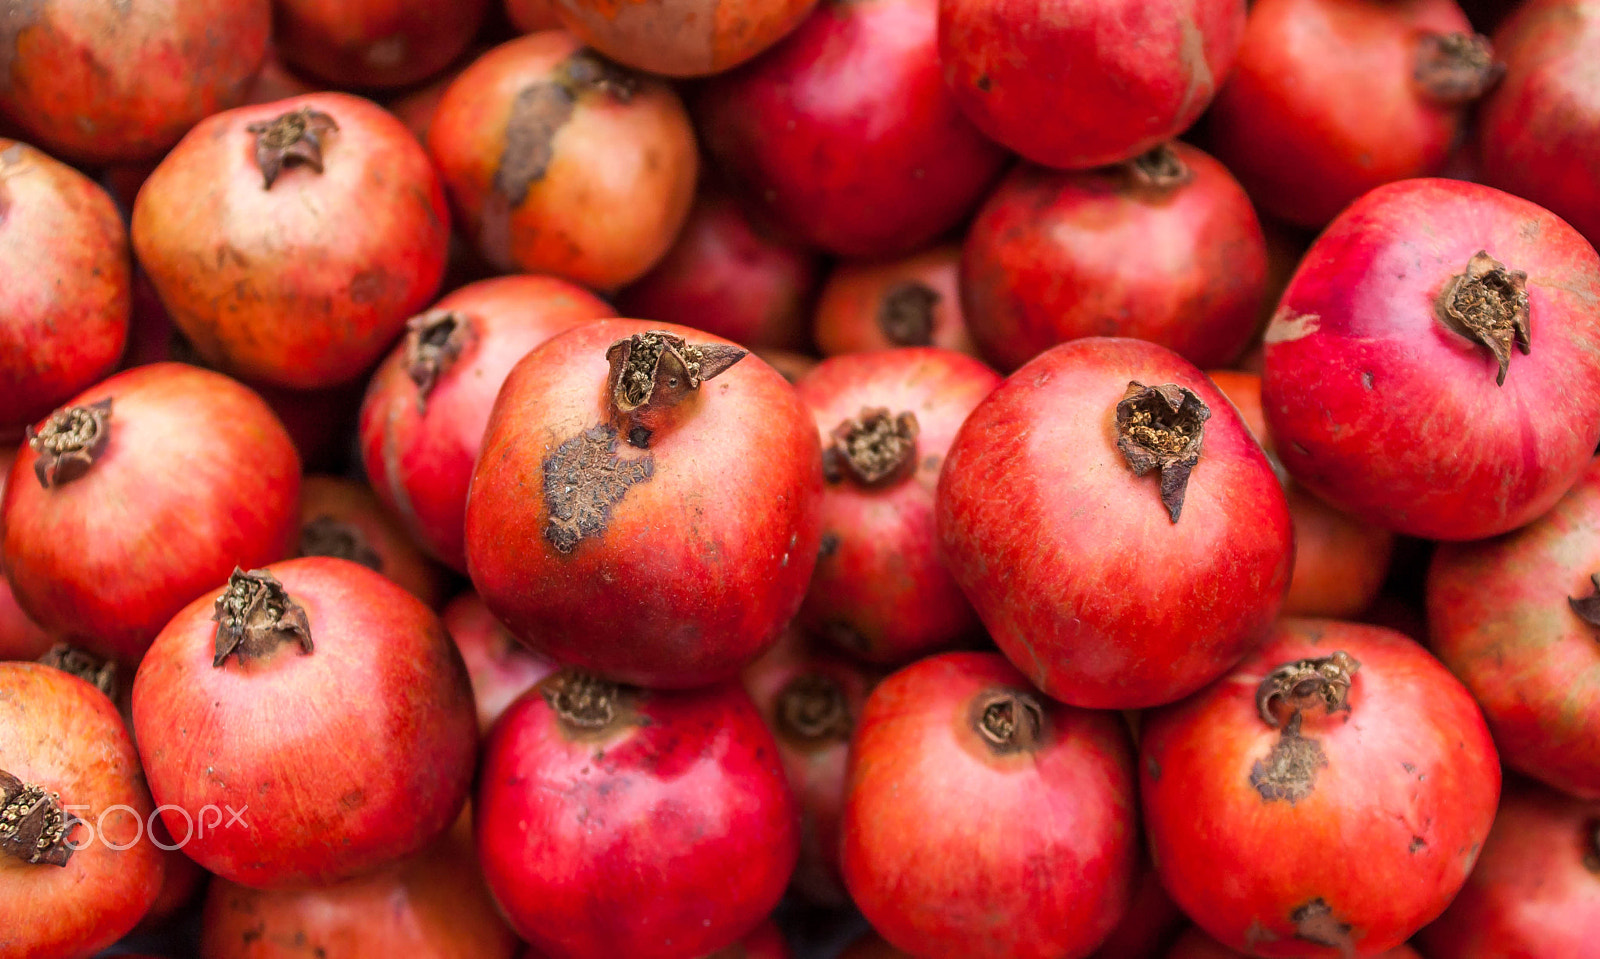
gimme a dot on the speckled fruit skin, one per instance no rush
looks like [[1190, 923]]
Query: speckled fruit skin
[[58, 732], [500, 668], [332, 792], [198, 476], [1498, 616], [419, 456], [20, 637], [1075, 84], [952, 849], [681, 38], [859, 308], [1536, 890], [1055, 256], [1538, 132], [1387, 413], [1197, 945], [352, 505], [845, 136], [1321, 105], [306, 284], [616, 183], [881, 588], [1392, 823], [66, 299], [1076, 568], [668, 834], [698, 566], [374, 43], [101, 82]]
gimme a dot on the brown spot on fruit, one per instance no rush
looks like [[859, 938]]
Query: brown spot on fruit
[[1315, 922], [1289, 772], [583, 479], [537, 114], [906, 313]]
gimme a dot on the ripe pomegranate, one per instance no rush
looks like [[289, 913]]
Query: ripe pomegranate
[[1075, 85], [318, 225], [20, 637], [1108, 589], [981, 820], [174, 474], [426, 408], [1331, 98], [340, 517], [65, 303], [681, 39], [886, 419], [614, 821], [531, 16], [1197, 945], [674, 521], [76, 868], [561, 162], [374, 43], [881, 304], [1380, 383], [1333, 744], [321, 708], [1150, 925], [500, 668], [1164, 248], [99, 82], [859, 167]]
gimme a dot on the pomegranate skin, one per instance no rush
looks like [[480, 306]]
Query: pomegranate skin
[[681, 38], [1080, 574], [419, 448], [665, 832], [709, 538], [1379, 407], [374, 43], [304, 284], [881, 304], [531, 16], [1403, 783], [1076, 85], [20, 637], [923, 851], [500, 668], [1197, 945], [857, 168], [105, 82], [342, 518]]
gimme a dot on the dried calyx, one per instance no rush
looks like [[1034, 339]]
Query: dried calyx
[[97, 672], [1453, 69], [326, 536], [588, 70], [655, 371], [1588, 607], [812, 708], [1160, 167], [1162, 428], [905, 315], [290, 139], [872, 447], [33, 825], [433, 341], [582, 700], [69, 442], [1306, 683], [1009, 720], [255, 615], [1488, 303]]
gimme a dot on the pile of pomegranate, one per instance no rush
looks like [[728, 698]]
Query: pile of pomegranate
[[798, 479]]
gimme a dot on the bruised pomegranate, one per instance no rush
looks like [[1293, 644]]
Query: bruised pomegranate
[[561, 162], [681, 38], [614, 821], [374, 43], [1119, 531], [314, 709], [500, 668], [1344, 776], [291, 240], [982, 820], [20, 637], [341, 518], [1390, 385], [646, 503], [1197, 945], [880, 304], [845, 136], [140, 493]]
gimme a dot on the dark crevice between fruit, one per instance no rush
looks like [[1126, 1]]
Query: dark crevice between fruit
[[433, 342], [326, 536], [255, 615], [812, 709], [905, 314], [872, 447], [33, 825], [1289, 772], [581, 700], [97, 672], [69, 442], [583, 479], [654, 371], [1488, 303], [1009, 721], [1306, 683], [1315, 923], [1160, 168], [1453, 69], [1162, 428], [1591, 855], [541, 109], [290, 139], [1588, 607]]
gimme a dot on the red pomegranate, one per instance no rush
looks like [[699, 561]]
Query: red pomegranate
[[341, 518], [531, 16], [1390, 384], [881, 304], [374, 43], [845, 136], [20, 637], [614, 821], [308, 723], [1108, 586], [674, 519], [681, 38], [500, 668], [1164, 248], [1197, 945], [174, 474], [1332, 745], [321, 227]]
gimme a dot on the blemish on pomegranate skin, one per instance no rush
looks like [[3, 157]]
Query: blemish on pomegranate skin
[[1288, 326], [583, 480]]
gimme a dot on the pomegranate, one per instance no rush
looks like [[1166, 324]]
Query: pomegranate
[[174, 474], [1108, 589], [101, 82], [531, 16], [610, 820], [983, 820], [374, 43], [1380, 383], [341, 517], [560, 162], [65, 303], [1151, 923], [319, 226], [886, 419], [20, 637], [500, 668], [681, 39], [1331, 98], [321, 708], [1164, 248], [426, 408], [76, 867], [1197, 945], [1076, 85], [1332, 744], [673, 526], [845, 136], [880, 304]]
